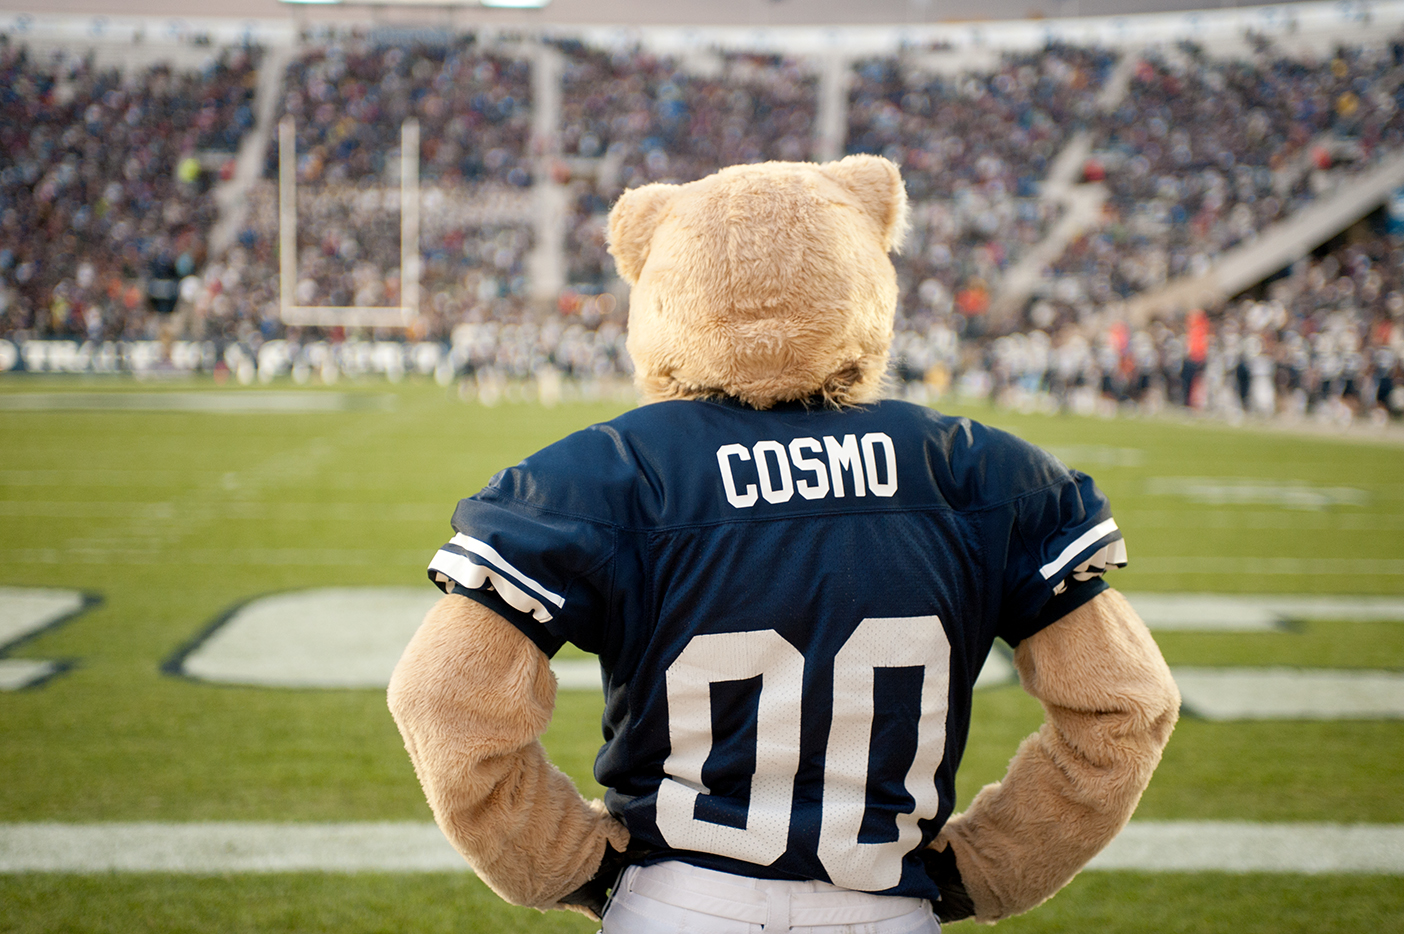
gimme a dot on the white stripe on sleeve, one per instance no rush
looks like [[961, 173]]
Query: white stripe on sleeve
[[1097, 531], [474, 576], [483, 549], [1110, 555]]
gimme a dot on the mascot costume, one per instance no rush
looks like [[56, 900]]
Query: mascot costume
[[792, 586]]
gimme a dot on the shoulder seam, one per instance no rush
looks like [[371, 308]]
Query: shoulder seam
[[491, 493]]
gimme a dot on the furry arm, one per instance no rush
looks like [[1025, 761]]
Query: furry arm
[[1110, 705], [471, 696]]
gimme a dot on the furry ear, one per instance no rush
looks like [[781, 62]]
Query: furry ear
[[632, 221], [877, 185]]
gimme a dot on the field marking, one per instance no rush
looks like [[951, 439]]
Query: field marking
[[215, 402], [1244, 491], [1295, 567], [19, 673], [1294, 520], [388, 846], [124, 553], [206, 511], [24, 613], [409, 846], [351, 637], [333, 637], [191, 481], [1291, 693], [1233, 846], [1207, 612]]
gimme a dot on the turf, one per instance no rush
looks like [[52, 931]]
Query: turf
[[174, 518], [1208, 903], [1111, 903], [1312, 644], [297, 903]]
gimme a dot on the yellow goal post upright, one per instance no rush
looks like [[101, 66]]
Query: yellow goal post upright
[[403, 315]]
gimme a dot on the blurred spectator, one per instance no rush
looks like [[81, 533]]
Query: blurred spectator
[[638, 118], [974, 149], [102, 174], [663, 122], [1184, 188], [1325, 341], [350, 98], [996, 131], [105, 207]]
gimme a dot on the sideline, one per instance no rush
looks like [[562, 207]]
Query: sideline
[[210, 402], [409, 846]]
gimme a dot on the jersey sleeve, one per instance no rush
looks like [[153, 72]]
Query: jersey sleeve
[[545, 572], [1064, 539]]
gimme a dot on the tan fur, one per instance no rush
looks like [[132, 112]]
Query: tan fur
[[765, 283], [471, 695], [1110, 705], [770, 283]]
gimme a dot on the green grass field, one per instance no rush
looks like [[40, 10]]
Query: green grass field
[[171, 518]]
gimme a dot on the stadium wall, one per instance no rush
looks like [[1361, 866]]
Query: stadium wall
[[1307, 22]]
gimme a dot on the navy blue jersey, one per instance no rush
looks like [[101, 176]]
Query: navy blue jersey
[[791, 608]]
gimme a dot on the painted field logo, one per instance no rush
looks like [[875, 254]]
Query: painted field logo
[[870, 463], [26, 612], [351, 637]]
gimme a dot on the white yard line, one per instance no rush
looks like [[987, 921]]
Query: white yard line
[[1152, 846], [1289, 567], [1291, 693], [1233, 846], [123, 554], [402, 846], [217, 402], [1208, 612]]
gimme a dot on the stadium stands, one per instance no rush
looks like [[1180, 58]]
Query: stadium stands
[[1183, 189], [1326, 340], [107, 199], [349, 99], [105, 174], [975, 148], [665, 123]]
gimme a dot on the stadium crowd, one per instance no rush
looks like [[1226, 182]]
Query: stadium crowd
[[1325, 341], [105, 182], [349, 98], [112, 172], [473, 249], [664, 122], [996, 130], [629, 117], [974, 150], [1182, 190]]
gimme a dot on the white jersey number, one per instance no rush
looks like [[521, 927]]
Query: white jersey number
[[903, 642]]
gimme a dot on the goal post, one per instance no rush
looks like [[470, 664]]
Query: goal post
[[402, 315]]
